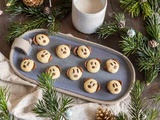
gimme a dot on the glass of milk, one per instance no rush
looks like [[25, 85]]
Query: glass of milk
[[88, 15]]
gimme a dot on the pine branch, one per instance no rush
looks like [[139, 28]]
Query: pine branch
[[136, 7], [152, 114], [10, 2], [111, 28], [18, 29], [131, 45], [4, 112], [51, 106], [136, 107], [19, 9], [156, 98], [122, 116], [153, 26]]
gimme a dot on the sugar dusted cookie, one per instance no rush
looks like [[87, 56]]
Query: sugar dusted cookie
[[82, 51], [112, 65], [114, 86], [27, 65], [41, 39], [44, 56], [75, 73], [54, 71], [91, 85], [63, 51], [93, 65]]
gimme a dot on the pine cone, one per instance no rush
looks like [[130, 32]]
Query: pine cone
[[153, 43], [104, 114], [47, 10]]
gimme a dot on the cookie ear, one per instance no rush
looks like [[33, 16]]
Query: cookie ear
[[116, 60], [41, 49], [34, 67], [69, 46], [50, 58], [89, 48], [80, 68], [68, 72], [85, 64], [75, 50], [25, 59], [34, 41], [98, 86], [120, 81], [86, 79], [59, 68], [99, 60]]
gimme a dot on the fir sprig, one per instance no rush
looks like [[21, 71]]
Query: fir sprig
[[4, 112], [38, 18], [112, 27], [136, 7], [51, 106]]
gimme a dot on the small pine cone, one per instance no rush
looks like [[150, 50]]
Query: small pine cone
[[121, 24], [153, 43], [104, 114], [47, 10]]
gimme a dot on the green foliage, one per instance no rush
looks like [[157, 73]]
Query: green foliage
[[10, 2], [136, 7], [51, 106], [122, 116], [138, 109], [4, 112], [38, 19], [110, 28]]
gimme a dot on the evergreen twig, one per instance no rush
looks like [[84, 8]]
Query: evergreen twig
[[51, 106]]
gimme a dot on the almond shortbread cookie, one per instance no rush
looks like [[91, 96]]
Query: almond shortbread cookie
[[41, 39], [114, 86], [75, 73], [54, 71], [27, 65], [82, 51], [44, 56], [93, 65], [91, 85], [63, 51], [112, 65]]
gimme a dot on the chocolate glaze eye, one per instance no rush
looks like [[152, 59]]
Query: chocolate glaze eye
[[61, 49], [77, 70], [73, 71], [65, 48]]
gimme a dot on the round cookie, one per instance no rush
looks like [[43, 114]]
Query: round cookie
[[82, 51], [112, 65], [114, 86], [63, 51], [54, 71], [75, 73], [27, 65], [41, 39], [93, 65], [91, 85], [44, 56]]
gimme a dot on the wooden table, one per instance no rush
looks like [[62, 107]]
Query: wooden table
[[67, 27]]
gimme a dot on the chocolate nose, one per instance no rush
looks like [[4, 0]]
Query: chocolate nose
[[53, 74], [75, 76], [64, 52], [44, 41], [42, 55], [24, 66], [93, 67], [116, 89], [85, 53]]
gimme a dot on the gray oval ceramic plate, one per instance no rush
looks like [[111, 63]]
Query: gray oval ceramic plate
[[63, 84]]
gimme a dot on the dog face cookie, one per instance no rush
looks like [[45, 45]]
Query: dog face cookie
[[93, 65], [63, 51], [112, 65], [27, 65], [82, 51], [54, 71], [91, 85], [75, 73], [41, 39], [44, 56], [114, 86]]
